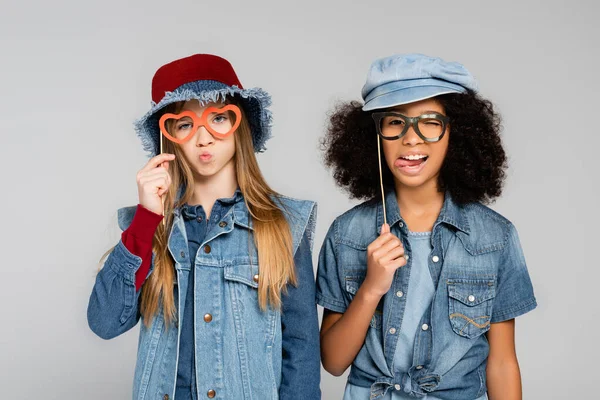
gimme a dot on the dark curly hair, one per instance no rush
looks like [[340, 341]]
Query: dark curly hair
[[474, 167]]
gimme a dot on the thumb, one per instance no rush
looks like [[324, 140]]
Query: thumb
[[385, 228]]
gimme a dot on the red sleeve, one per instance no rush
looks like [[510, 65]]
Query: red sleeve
[[138, 240]]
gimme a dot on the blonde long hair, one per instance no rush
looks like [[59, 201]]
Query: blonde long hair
[[271, 231]]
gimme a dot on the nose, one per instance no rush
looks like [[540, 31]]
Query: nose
[[203, 137], [411, 138]]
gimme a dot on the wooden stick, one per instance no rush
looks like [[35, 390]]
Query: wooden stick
[[381, 179]]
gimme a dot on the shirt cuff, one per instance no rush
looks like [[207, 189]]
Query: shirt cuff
[[331, 304], [144, 224], [515, 311]]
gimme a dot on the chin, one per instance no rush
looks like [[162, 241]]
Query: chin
[[411, 181], [206, 171]]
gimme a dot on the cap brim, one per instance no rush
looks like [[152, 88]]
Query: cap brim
[[398, 93]]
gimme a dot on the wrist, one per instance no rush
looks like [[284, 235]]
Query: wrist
[[368, 294]]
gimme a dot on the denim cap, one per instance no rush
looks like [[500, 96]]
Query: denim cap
[[406, 78]]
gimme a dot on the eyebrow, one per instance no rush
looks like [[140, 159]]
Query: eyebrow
[[402, 110]]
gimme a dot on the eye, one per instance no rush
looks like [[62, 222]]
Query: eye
[[184, 126], [433, 123], [395, 122], [220, 118]]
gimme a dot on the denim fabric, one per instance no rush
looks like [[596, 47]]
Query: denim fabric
[[247, 353], [479, 275], [406, 78], [196, 226]]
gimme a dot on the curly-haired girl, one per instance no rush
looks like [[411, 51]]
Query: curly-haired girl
[[421, 283]]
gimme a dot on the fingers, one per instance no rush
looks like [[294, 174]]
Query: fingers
[[158, 171], [162, 176], [387, 250], [144, 174], [392, 246], [158, 160], [381, 241], [155, 185], [393, 255]]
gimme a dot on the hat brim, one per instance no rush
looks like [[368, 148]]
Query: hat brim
[[404, 92], [255, 102]]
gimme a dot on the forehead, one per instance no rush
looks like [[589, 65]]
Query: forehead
[[419, 107], [194, 105]]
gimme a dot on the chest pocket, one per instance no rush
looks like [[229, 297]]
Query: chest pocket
[[241, 282], [353, 282], [470, 305]]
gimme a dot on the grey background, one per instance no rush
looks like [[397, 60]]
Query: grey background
[[74, 75]]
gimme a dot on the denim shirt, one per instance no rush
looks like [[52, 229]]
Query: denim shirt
[[479, 275], [196, 228], [246, 354]]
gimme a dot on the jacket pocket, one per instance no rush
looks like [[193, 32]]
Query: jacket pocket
[[241, 283], [353, 282], [256, 332], [246, 274], [470, 305]]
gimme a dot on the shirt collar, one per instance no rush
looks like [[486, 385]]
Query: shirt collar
[[192, 211], [451, 213]]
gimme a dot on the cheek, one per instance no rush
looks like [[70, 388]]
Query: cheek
[[188, 150], [389, 151], [228, 146], [440, 149]]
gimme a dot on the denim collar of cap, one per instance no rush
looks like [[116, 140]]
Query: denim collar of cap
[[398, 92], [452, 213], [256, 103]]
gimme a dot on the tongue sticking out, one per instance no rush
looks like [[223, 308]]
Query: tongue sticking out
[[401, 162]]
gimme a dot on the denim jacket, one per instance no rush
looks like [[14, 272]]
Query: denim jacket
[[244, 342], [480, 277]]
